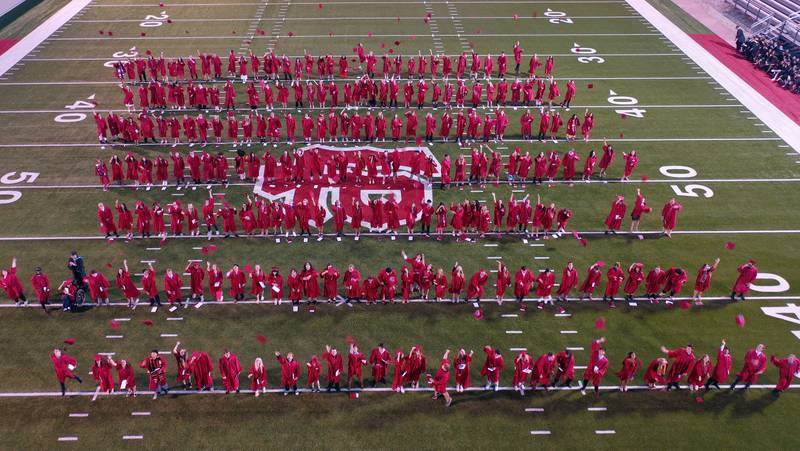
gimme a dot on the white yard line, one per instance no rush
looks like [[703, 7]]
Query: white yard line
[[626, 140], [349, 36], [768, 113], [78, 415], [588, 233], [571, 300], [68, 439], [405, 56], [253, 25], [32, 40], [314, 3], [57, 394], [352, 18]]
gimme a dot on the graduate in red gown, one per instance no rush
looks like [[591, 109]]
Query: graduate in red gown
[[523, 367], [101, 373], [565, 368], [614, 219], [334, 359], [314, 369], [596, 368], [201, 367], [543, 370], [492, 367], [674, 281], [64, 366], [656, 373], [614, 277], [703, 281], [258, 377], [440, 380], [229, 370], [476, 285], [747, 274], [683, 360], [698, 373], [669, 216], [635, 278], [722, 368], [125, 376], [461, 363], [592, 280], [41, 286], [379, 358], [355, 366], [156, 369], [569, 280], [11, 284], [628, 371], [755, 363], [788, 369], [290, 372]]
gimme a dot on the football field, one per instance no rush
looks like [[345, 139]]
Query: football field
[[737, 179]]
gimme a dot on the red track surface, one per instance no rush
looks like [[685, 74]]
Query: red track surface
[[6, 44], [784, 100]]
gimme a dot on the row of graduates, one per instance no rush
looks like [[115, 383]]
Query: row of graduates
[[196, 370], [363, 91], [332, 126], [415, 276], [271, 66], [343, 167], [284, 219]]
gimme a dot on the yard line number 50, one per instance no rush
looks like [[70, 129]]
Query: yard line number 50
[[685, 172], [11, 178]]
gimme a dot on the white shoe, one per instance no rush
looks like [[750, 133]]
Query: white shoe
[[583, 392]]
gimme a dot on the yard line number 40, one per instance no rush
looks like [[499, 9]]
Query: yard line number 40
[[11, 178]]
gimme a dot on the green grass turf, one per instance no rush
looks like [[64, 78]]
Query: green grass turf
[[380, 420]]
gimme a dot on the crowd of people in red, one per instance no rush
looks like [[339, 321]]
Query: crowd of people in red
[[195, 370], [486, 165], [417, 277], [164, 89]]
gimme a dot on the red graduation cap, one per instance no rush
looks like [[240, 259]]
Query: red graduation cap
[[114, 324], [212, 247], [391, 50], [101, 32], [740, 320], [163, 242], [186, 31], [685, 305], [349, 339], [383, 45], [247, 268], [623, 115], [645, 178], [478, 314], [600, 323], [730, 245], [419, 140], [148, 52], [478, 31], [204, 250], [590, 85], [621, 135], [516, 16], [109, 265], [426, 19], [600, 263], [69, 341], [428, 14], [321, 6], [148, 322], [161, 4], [290, 34], [330, 34], [111, 33], [584, 242], [369, 34], [169, 20], [396, 42], [262, 339], [576, 235], [143, 33]]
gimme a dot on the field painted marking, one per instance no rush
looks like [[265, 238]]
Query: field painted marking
[[517, 349], [178, 318], [749, 97], [534, 409], [14, 55], [514, 332], [405, 56], [605, 432], [506, 2], [346, 36], [540, 432], [57, 394], [575, 348], [351, 18], [132, 437], [569, 331], [596, 409], [169, 335], [78, 415], [140, 414], [114, 337], [68, 439], [509, 315]]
